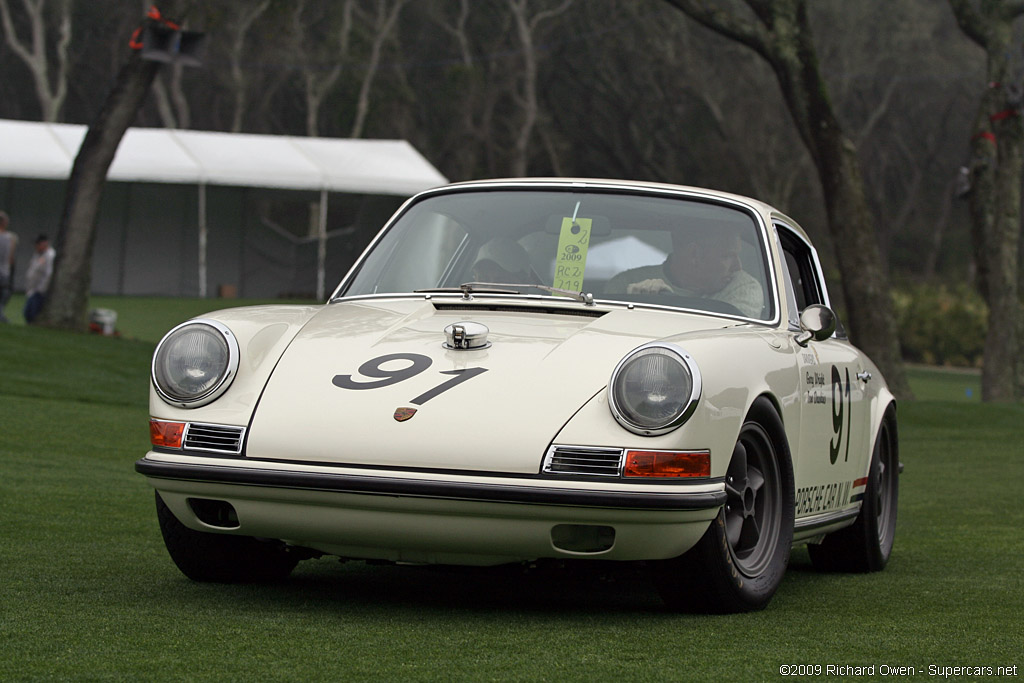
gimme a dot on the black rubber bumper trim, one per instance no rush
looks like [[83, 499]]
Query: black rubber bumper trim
[[420, 488]]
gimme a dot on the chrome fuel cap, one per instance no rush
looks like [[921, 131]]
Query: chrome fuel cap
[[466, 335]]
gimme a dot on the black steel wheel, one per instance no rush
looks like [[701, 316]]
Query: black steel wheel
[[739, 562], [867, 544], [222, 558], [753, 506]]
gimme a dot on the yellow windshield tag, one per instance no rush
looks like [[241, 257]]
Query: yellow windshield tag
[[573, 242]]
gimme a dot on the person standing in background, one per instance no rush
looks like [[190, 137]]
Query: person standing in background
[[8, 247], [37, 278]]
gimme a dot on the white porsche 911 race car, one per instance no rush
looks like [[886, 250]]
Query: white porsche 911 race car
[[527, 369]]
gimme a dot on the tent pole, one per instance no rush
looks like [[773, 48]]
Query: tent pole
[[202, 240], [321, 253], [125, 227]]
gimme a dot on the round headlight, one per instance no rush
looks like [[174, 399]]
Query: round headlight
[[654, 389], [195, 363]]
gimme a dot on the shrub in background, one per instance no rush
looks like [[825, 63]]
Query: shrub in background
[[940, 324]]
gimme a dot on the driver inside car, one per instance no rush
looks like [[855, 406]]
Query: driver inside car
[[704, 263]]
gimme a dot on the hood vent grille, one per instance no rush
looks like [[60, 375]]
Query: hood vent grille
[[214, 438], [583, 460], [550, 310]]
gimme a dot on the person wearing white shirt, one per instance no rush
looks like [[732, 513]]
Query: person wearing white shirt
[[37, 278]]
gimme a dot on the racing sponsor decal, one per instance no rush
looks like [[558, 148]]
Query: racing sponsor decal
[[812, 500], [571, 258], [815, 382], [841, 399], [381, 376]]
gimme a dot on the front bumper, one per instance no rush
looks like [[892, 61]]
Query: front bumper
[[436, 518]]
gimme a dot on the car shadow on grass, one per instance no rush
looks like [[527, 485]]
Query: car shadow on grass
[[541, 589], [327, 585], [545, 587]]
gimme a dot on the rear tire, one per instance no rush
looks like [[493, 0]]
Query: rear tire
[[739, 562], [222, 558], [866, 545]]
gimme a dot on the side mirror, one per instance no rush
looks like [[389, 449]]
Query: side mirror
[[817, 323]]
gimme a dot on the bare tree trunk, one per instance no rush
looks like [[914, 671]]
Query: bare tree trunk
[[383, 26], [457, 30], [528, 91], [65, 307], [1019, 388], [931, 260], [996, 172], [163, 105], [464, 143], [317, 82], [51, 95], [239, 83], [781, 34], [526, 27]]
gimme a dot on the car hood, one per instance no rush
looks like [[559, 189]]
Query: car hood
[[343, 383]]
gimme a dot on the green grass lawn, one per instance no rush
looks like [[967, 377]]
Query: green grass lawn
[[148, 318], [948, 385], [87, 590]]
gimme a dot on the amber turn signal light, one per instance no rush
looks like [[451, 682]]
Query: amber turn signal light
[[667, 464], [166, 434]]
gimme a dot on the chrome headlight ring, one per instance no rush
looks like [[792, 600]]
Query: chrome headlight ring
[[195, 363], [654, 389]]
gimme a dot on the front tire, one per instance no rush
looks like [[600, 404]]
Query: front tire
[[222, 558], [866, 545], [739, 562]]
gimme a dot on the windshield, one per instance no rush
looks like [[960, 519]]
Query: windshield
[[622, 247]]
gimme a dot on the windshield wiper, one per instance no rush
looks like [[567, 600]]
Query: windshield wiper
[[468, 288]]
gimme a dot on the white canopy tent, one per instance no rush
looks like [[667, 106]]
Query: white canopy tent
[[385, 167]]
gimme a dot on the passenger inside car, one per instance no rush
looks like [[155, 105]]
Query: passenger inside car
[[503, 260]]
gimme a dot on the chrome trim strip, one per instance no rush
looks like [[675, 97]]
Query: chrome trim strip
[[419, 488], [826, 519]]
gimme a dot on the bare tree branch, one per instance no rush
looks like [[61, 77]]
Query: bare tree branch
[[51, 95], [544, 15], [383, 27], [1013, 8], [163, 104], [457, 30], [63, 42], [11, 34], [879, 112], [711, 14], [969, 21], [238, 78]]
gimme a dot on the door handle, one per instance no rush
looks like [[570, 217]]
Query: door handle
[[864, 376]]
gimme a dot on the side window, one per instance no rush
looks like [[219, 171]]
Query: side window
[[793, 303], [801, 274]]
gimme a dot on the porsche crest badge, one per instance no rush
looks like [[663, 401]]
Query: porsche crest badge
[[403, 414]]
